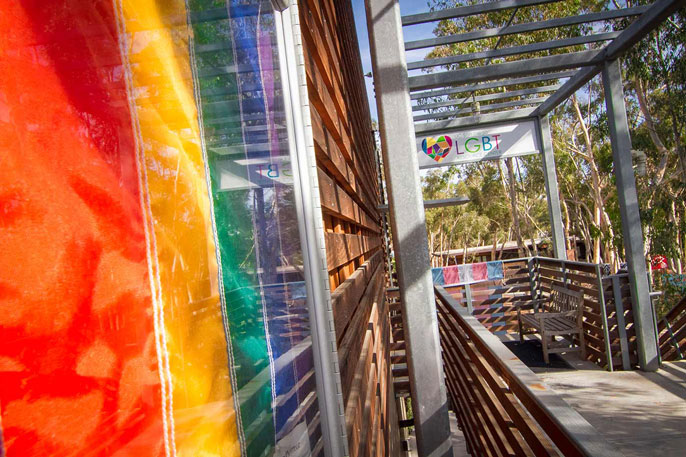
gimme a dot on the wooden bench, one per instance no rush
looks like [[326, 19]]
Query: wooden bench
[[560, 315]]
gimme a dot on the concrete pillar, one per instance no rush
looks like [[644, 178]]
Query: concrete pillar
[[631, 219], [399, 149], [551, 190]]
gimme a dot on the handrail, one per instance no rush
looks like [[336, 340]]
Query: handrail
[[566, 429], [568, 262]]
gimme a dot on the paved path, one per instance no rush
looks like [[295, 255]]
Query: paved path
[[643, 414]]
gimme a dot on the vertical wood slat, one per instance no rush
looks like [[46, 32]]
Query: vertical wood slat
[[621, 324], [603, 314]]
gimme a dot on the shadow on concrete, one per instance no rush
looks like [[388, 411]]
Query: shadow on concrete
[[643, 414]]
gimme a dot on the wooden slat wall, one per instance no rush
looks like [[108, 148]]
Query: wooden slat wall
[[346, 165]]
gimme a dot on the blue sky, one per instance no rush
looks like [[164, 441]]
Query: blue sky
[[411, 33]]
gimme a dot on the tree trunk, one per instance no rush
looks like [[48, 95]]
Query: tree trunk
[[521, 248]]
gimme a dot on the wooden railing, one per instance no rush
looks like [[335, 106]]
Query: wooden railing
[[672, 333], [610, 337], [501, 406], [494, 303], [609, 332]]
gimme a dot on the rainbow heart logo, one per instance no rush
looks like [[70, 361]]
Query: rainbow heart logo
[[437, 148]]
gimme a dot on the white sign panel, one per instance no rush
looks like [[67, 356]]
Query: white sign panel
[[254, 173], [494, 142]]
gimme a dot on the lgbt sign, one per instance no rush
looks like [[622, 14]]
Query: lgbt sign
[[476, 144]]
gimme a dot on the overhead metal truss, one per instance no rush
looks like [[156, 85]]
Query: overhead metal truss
[[491, 85], [483, 98], [431, 204], [526, 27], [440, 94]]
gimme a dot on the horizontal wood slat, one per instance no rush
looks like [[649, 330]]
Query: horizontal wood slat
[[341, 248], [338, 202], [672, 333]]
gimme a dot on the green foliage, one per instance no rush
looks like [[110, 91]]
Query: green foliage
[[673, 289], [487, 217]]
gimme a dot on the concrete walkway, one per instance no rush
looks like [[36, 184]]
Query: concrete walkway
[[642, 414]]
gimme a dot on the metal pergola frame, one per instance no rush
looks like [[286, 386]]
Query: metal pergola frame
[[442, 101], [587, 64]]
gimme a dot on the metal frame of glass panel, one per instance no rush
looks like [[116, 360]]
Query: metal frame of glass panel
[[329, 394]]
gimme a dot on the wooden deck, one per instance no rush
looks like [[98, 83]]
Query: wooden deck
[[642, 414]]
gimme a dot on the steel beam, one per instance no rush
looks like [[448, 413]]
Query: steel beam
[[489, 97], [646, 23], [399, 149], [526, 27], [513, 50], [630, 215], [491, 107], [483, 119], [464, 11], [551, 190], [493, 85], [440, 203], [507, 70]]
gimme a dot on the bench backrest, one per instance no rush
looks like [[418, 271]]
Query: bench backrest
[[563, 300]]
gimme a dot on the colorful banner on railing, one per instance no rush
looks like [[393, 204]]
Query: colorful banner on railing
[[148, 308], [467, 273]]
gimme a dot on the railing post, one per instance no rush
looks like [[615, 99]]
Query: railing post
[[621, 324], [532, 287], [410, 245], [468, 297], [603, 315], [657, 333]]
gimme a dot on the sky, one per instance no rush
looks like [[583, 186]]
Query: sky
[[411, 33]]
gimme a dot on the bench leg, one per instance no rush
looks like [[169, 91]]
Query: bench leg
[[544, 341], [582, 344], [521, 332]]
